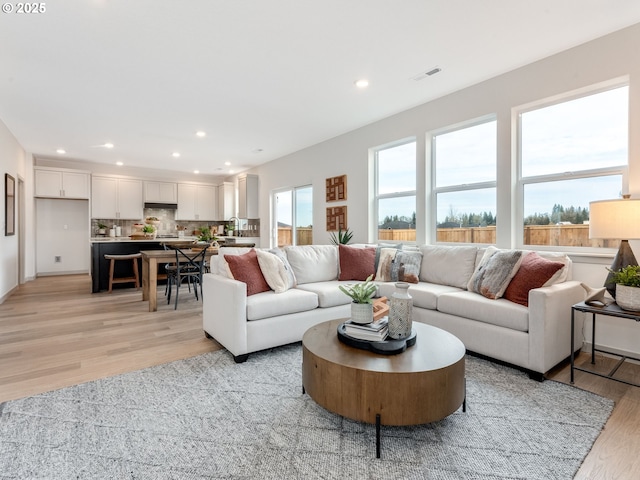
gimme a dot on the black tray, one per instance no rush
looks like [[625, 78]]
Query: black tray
[[386, 347]]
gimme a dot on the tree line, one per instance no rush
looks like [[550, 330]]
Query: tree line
[[559, 214]]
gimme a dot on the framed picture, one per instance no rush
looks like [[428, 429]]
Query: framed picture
[[336, 218], [9, 204]]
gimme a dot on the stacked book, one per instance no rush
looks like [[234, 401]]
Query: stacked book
[[375, 331]]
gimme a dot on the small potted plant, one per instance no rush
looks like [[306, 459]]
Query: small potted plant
[[102, 228], [362, 300], [627, 282], [149, 231]]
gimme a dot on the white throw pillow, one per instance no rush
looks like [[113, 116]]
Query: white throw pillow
[[274, 271]]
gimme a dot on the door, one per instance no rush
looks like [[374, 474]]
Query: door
[[293, 216]]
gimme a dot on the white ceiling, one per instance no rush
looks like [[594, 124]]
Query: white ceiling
[[275, 76]]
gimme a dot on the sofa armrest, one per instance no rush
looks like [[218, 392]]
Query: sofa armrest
[[550, 324], [224, 312]]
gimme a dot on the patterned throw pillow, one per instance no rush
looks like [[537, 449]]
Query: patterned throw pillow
[[494, 272], [245, 268], [399, 266]]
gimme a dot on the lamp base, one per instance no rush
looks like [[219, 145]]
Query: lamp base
[[623, 258]]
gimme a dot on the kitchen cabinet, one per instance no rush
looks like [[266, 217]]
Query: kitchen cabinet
[[226, 201], [116, 198], [197, 202], [57, 183], [248, 196], [160, 192]]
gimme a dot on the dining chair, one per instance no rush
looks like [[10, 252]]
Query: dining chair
[[189, 266]]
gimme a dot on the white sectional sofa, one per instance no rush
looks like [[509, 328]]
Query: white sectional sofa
[[534, 337]]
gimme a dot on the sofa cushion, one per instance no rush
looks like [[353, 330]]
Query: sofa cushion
[[269, 304], [495, 271], [447, 265], [500, 312], [329, 295], [356, 263], [275, 272], [534, 272], [313, 263], [425, 295], [245, 268]]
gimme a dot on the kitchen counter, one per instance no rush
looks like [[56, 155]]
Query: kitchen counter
[[187, 238]]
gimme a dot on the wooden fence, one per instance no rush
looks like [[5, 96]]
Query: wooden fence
[[552, 235]]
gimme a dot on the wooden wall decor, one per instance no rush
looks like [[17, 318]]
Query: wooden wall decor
[[336, 188], [336, 218]]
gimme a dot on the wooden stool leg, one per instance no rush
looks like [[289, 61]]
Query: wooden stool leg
[[111, 267], [135, 273]]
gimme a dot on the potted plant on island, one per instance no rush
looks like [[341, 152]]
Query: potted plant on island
[[149, 231], [362, 300], [627, 282]]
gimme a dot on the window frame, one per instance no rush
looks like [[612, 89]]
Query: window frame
[[521, 182], [463, 187], [386, 196]]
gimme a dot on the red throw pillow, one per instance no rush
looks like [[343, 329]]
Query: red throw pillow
[[245, 268], [356, 263], [533, 273]]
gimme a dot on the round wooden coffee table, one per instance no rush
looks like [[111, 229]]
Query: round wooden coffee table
[[423, 384]]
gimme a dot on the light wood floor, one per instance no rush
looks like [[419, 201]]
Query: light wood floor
[[55, 333]]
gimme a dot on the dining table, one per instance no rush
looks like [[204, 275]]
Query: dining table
[[150, 261]]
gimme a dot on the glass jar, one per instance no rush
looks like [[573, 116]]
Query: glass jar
[[400, 312]]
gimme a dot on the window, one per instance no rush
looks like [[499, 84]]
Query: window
[[464, 162], [294, 216], [571, 153], [395, 192]]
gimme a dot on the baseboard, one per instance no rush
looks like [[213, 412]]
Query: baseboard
[[586, 347], [53, 274], [8, 294]]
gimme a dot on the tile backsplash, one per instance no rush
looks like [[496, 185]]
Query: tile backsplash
[[168, 224]]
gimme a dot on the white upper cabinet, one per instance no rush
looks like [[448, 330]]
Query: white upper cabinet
[[197, 202], [116, 198], [248, 196], [160, 192], [56, 183], [226, 201]]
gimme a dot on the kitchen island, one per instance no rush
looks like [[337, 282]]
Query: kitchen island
[[124, 246]]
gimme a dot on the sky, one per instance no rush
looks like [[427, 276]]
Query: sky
[[585, 133]]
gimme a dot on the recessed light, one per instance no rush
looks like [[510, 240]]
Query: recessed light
[[108, 145], [175, 154], [61, 151], [227, 163], [201, 134], [362, 83], [119, 163], [196, 172]]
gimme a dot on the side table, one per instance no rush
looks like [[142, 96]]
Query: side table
[[611, 310]]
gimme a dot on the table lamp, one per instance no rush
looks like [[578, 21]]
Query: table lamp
[[616, 219]]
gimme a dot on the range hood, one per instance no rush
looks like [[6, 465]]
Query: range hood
[[166, 206]]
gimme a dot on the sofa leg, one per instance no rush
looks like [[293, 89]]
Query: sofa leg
[[206, 334], [240, 358], [537, 376]]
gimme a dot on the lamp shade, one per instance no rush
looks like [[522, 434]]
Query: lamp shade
[[615, 219]]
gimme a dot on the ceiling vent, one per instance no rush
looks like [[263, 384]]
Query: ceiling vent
[[428, 73]]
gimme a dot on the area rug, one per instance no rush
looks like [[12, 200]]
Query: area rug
[[207, 417]]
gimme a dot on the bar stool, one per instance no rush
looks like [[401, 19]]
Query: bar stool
[[136, 278]]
